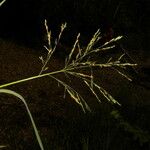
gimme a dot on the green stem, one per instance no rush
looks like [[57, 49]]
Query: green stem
[[30, 78], [64, 70]]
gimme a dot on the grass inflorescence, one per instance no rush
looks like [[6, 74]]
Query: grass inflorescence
[[78, 60]]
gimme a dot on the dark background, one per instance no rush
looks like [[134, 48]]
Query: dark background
[[23, 20]]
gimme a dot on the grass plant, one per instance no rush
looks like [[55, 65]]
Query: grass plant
[[76, 62]]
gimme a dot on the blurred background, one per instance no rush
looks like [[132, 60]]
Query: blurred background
[[23, 21]]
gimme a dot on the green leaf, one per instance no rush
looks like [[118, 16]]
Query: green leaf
[[6, 91]]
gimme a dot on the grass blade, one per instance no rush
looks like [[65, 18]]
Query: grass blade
[[6, 91], [2, 2], [2, 146]]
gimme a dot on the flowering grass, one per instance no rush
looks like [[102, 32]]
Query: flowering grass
[[80, 64]]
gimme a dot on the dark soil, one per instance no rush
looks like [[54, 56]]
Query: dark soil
[[61, 122]]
